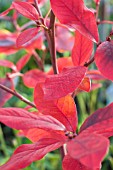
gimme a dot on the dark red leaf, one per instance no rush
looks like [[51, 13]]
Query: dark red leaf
[[60, 85], [32, 77], [100, 121], [27, 153], [21, 119], [26, 36], [63, 109], [5, 96], [75, 14], [72, 164], [9, 64], [26, 9], [82, 49], [104, 59], [89, 149], [23, 61]]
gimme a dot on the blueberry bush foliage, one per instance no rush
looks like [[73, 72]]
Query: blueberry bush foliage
[[65, 34]]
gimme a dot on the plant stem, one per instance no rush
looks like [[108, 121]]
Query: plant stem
[[36, 5], [15, 93], [97, 10], [50, 34], [105, 22], [38, 60]]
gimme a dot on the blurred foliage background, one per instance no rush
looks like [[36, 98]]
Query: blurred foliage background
[[86, 102]]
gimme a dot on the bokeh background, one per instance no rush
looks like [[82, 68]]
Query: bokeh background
[[87, 103]]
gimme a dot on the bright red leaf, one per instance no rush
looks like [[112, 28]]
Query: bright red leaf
[[60, 85], [63, 109], [82, 49], [89, 149], [100, 122], [21, 119], [27, 153], [104, 59], [75, 14], [26, 9], [32, 77]]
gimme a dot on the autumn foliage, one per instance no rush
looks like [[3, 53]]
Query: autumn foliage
[[69, 26]]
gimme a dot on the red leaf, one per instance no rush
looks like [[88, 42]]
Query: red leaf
[[72, 164], [26, 9], [9, 64], [89, 149], [63, 109], [62, 62], [22, 62], [82, 49], [103, 55], [37, 134], [64, 39], [79, 17], [21, 119], [85, 84], [60, 85], [100, 121], [26, 36], [27, 153], [32, 77], [95, 75], [5, 96]]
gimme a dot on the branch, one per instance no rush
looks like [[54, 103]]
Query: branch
[[17, 95], [38, 60], [50, 34], [105, 22], [36, 5]]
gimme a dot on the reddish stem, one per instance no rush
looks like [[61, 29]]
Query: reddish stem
[[15, 93]]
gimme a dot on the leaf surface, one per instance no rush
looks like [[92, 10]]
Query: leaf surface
[[100, 122], [21, 119], [60, 85], [27, 153], [26, 9], [24, 39], [70, 163], [89, 149], [75, 14], [32, 77], [104, 59], [9, 64], [63, 109], [82, 49]]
